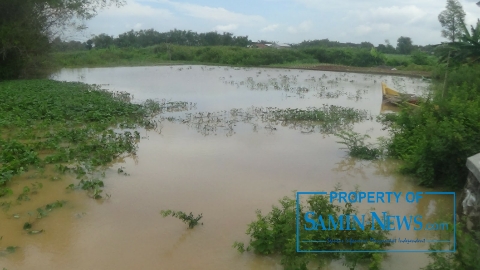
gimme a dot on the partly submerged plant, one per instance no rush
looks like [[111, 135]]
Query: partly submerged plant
[[276, 234], [357, 147], [187, 219]]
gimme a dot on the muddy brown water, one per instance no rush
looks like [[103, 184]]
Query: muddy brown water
[[225, 175]]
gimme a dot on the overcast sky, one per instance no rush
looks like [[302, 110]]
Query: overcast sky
[[285, 21]]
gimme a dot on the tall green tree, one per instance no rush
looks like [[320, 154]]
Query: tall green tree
[[102, 41], [404, 45], [464, 51], [452, 19], [28, 26]]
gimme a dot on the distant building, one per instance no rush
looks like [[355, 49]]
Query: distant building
[[260, 45], [281, 46]]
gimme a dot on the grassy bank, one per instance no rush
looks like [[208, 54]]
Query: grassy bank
[[310, 58]]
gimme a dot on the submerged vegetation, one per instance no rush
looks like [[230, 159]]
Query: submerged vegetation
[[8, 250], [325, 119], [71, 125], [275, 234], [189, 219], [357, 147]]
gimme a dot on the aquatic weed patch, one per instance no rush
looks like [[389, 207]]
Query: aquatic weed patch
[[324, 87], [48, 122], [328, 119]]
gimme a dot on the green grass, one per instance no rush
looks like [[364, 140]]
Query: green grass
[[399, 57], [344, 58]]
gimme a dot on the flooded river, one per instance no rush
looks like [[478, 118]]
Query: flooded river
[[224, 170]]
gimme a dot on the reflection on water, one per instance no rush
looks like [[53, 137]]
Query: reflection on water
[[225, 177]]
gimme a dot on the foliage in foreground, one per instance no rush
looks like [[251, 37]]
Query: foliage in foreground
[[467, 256], [189, 219], [275, 233], [435, 140]]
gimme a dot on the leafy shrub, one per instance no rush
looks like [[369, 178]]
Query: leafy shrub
[[275, 233], [419, 58], [435, 140], [466, 257], [357, 147]]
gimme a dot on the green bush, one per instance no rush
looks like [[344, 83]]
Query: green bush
[[435, 140], [275, 233], [419, 58], [466, 257]]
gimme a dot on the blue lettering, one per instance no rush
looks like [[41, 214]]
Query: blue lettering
[[375, 217], [333, 196], [380, 196], [331, 220], [371, 197], [418, 222], [360, 224], [389, 223], [311, 221], [404, 221]]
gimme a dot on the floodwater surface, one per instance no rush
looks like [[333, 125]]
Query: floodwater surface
[[223, 157]]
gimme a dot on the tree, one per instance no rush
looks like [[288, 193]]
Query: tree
[[387, 48], [102, 41], [451, 20], [366, 45], [89, 45], [466, 50], [404, 45], [28, 26]]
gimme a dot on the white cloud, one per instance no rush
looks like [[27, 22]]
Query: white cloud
[[292, 29], [214, 13], [133, 8], [226, 28], [346, 5], [269, 28], [305, 26], [362, 30], [394, 14]]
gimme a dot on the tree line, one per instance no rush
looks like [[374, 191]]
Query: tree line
[[404, 45], [151, 37]]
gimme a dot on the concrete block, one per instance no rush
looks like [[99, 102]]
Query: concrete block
[[473, 164]]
